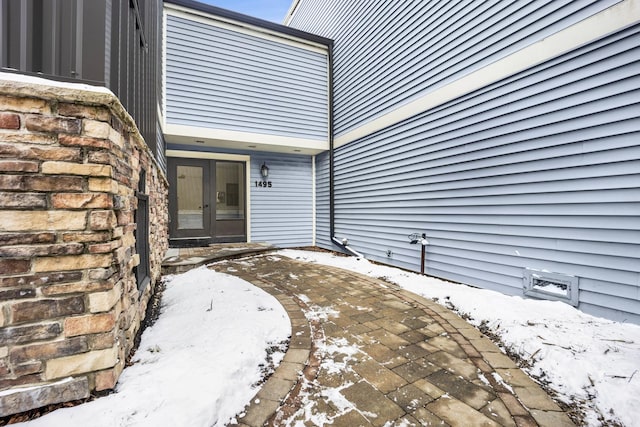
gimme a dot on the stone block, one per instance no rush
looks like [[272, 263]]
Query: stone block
[[41, 220], [30, 152], [84, 111], [102, 220], [72, 262], [103, 185], [48, 350], [9, 121], [85, 325], [96, 129], [87, 236], [84, 141], [22, 400], [76, 287], [81, 201], [106, 380], [10, 266], [24, 334], [102, 341], [102, 157], [19, 166], [41, 250], [101, 273], [9, 382], [44, 309], [50, 124], [19, 137], [23, 200], [28, 368], [66, 168], [42, 183], [42, 279], [16, 294], [81, 363], [103, 248], [104, 301], [23, 105]]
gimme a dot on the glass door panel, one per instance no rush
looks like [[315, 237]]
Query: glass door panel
[[190, 198], [230, 199]]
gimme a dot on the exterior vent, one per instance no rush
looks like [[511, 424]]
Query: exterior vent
[[551, 286]]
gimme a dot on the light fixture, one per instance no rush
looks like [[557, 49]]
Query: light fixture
[[264, 170]]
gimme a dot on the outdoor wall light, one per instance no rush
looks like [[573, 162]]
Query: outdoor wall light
[[264, 170]]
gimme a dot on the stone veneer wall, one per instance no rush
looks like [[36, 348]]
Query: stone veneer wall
[[70, 160]]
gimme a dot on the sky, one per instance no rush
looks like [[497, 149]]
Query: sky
[[271, 10]]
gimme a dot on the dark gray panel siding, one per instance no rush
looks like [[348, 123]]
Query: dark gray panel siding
[[387, 53], [283, 214], [540, 170], [224, 79]]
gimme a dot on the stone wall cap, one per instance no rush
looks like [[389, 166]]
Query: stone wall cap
[[13, 84], [35, 86], [34, 387]]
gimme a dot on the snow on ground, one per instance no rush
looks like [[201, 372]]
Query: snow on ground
[[198, 364], [586, 360]]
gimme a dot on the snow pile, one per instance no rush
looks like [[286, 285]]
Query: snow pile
[[589, 361], [198, 364]]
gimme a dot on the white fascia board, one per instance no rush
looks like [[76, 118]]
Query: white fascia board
[[610, 20], [244, 28], [224, 138]]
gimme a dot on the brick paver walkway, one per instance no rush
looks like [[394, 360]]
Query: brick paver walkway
[[364, 352]]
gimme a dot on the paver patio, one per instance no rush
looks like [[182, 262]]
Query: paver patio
[[364, 352]]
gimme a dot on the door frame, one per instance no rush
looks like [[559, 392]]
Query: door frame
[[222, 157]]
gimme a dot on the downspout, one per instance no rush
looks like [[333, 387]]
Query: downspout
[[331, 184], [344, 244]]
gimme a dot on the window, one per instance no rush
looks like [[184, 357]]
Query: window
[[142, 234]]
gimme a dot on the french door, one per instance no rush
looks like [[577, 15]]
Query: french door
[[207, 201]]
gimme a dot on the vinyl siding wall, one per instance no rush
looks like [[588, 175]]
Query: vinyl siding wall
[[539, 170], [323, 238], [220, 78], [387, 52], [282, 214]]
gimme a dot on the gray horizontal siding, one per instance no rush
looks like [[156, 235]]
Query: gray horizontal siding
[[223, 79], [387, 53], [282, 215], [322, 201], [540, 170]]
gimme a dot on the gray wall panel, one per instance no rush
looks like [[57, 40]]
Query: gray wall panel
[[282, 214], [322, 201], [539, 170], [224, 79], [387, 53]]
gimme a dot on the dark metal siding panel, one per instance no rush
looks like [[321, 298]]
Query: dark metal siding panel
[[386, 53], [224, 79], [282, 214], [539, 170], [323, 238], [96, 42]]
